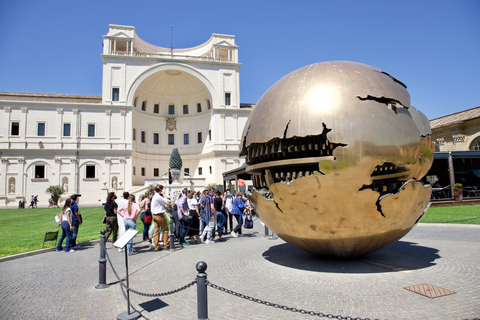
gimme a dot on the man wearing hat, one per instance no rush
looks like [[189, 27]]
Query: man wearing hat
[[75, 223]]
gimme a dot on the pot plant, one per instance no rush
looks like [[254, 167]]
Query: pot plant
[[55, 192], [458, 192]]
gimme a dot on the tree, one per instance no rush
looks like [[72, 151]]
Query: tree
[[55, 192]]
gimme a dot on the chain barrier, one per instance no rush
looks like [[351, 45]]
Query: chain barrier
[[120, 280], [276, 305]]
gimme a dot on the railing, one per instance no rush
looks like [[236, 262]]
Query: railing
[[169, 56]]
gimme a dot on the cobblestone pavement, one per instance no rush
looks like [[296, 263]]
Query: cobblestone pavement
[[58, 285]]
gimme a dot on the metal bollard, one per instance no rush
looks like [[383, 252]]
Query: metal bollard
[[172, 235], [102, 264], [202, 303], [266, 231]]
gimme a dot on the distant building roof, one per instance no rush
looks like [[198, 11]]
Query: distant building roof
[[455, 118], [49, 97]]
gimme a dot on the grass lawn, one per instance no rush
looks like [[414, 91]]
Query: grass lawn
[[23, 230], [458, 214]]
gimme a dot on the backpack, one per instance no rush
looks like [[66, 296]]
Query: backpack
[[59, 218]]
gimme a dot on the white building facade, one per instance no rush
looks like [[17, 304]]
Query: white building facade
[[153, 100]]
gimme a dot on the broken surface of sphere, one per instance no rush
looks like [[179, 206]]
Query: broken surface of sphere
[[336, 154]]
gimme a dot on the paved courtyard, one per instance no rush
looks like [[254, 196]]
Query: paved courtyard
[[56, 285]]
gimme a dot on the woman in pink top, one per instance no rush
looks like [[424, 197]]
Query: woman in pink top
[[131, 211]]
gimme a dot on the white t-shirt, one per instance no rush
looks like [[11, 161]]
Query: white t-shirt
[[64, 215], [192, 203]]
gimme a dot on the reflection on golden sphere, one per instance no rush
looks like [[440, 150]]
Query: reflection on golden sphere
[[336, 153]]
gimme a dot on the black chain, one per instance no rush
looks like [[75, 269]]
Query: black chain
[[276, 305], [188, 285]]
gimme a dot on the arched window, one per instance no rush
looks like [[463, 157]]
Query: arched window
[[475, 144]]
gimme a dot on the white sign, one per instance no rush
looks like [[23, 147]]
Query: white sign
[[127, 236]]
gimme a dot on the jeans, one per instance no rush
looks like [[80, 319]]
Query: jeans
[[221, 222], [238, 228], [183, 230], [207, 231], [73, 239], [66, 233], [130, 224], [146, 226]]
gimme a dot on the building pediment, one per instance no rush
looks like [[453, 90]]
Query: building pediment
[[223, 44], [120, 34]]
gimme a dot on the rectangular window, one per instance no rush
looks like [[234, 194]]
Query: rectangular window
[[155, 172], [199, 107], [186, 138], [91, 130], [185, 109], [90, 172], [15, 131], [41, 129], [134, 134], [115, 94], [66, 129], [133, 170], [209, 106], [142, 136], [186, 171], [171, 109], [200, 171], [210, 167], [144, 105], [171, 139], [209, 135], [156, 108], [135, 102], [143, 172], [199, 137], [155, 138], [227, 98], [40, 172]]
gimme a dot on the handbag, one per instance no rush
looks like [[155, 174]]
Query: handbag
[[148, 218], [248, 222]]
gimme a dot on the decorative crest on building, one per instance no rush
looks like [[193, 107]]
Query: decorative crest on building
[[171, 123]]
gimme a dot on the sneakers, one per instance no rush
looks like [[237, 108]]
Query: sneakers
[[121, 249], [71, 250], [209, 241], [234, 234], [184, 243]]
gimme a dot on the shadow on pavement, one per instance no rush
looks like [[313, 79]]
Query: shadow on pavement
[[400, 256], [153, 305]]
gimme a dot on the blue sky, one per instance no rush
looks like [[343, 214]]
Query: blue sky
[[431, 46]]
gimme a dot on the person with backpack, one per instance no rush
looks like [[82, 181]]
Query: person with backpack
[[130, 210], [238, 208], [111, 216], [146, 215], [66, 227], [75, 217]]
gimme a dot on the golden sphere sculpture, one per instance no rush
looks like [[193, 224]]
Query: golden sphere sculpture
[[337, 154]]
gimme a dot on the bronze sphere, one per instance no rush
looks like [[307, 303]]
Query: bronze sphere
[[336, 154]]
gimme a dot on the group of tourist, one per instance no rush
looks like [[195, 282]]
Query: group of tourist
[[197, 216], [71, 221]]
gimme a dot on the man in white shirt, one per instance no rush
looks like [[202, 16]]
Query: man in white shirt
[[228, 209], [158, 211]]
